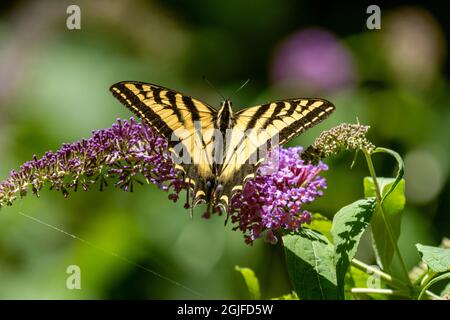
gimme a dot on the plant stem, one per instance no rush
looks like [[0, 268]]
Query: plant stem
[[383, 275], [429, 284], [373, 290], [374, 176], [433, 295], [365, 267], [398, 284], [386, 221]]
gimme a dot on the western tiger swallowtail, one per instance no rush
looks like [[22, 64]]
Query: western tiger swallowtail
[[215, 175]]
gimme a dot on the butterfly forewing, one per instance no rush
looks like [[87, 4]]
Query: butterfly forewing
[[182, 120], [287, 118], [164, 109]]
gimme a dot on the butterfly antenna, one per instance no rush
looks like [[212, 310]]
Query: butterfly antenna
[[213, 87], [239, 89]]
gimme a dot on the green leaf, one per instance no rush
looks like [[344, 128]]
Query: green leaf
[[400, 172], [322, 224], [356, 278], [437, 259], [349, 223], [393, 204], [395, 200], [310, 262], [251, 281]]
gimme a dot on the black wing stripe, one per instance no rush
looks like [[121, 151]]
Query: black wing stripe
[[279, 107], [292, 109], [306, 122], [192, 108], [256, 116], [251, 125], [135, 105], [157, 95], [171, 97]]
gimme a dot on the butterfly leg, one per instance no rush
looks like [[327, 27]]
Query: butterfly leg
[[188, 205]]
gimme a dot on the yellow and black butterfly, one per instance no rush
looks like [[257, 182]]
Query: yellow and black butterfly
[[215, 176]]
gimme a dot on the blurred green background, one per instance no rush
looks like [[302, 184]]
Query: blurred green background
[[54, 88]]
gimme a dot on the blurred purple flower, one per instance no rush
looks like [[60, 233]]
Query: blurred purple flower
[[269, 203], [313, 59], [272, 203]]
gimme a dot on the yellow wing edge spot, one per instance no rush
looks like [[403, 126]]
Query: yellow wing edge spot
[[303, 103], [179, 167], [225, 199], [200, 193], [249, 176]]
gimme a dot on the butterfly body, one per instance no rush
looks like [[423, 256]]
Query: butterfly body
[[224, 122], [218, 150]]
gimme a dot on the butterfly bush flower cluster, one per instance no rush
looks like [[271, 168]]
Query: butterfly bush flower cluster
[[274, 202], [333, 141], [129, 152]]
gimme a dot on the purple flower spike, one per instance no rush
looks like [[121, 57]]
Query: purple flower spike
[[123, 151], [271, 203]]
